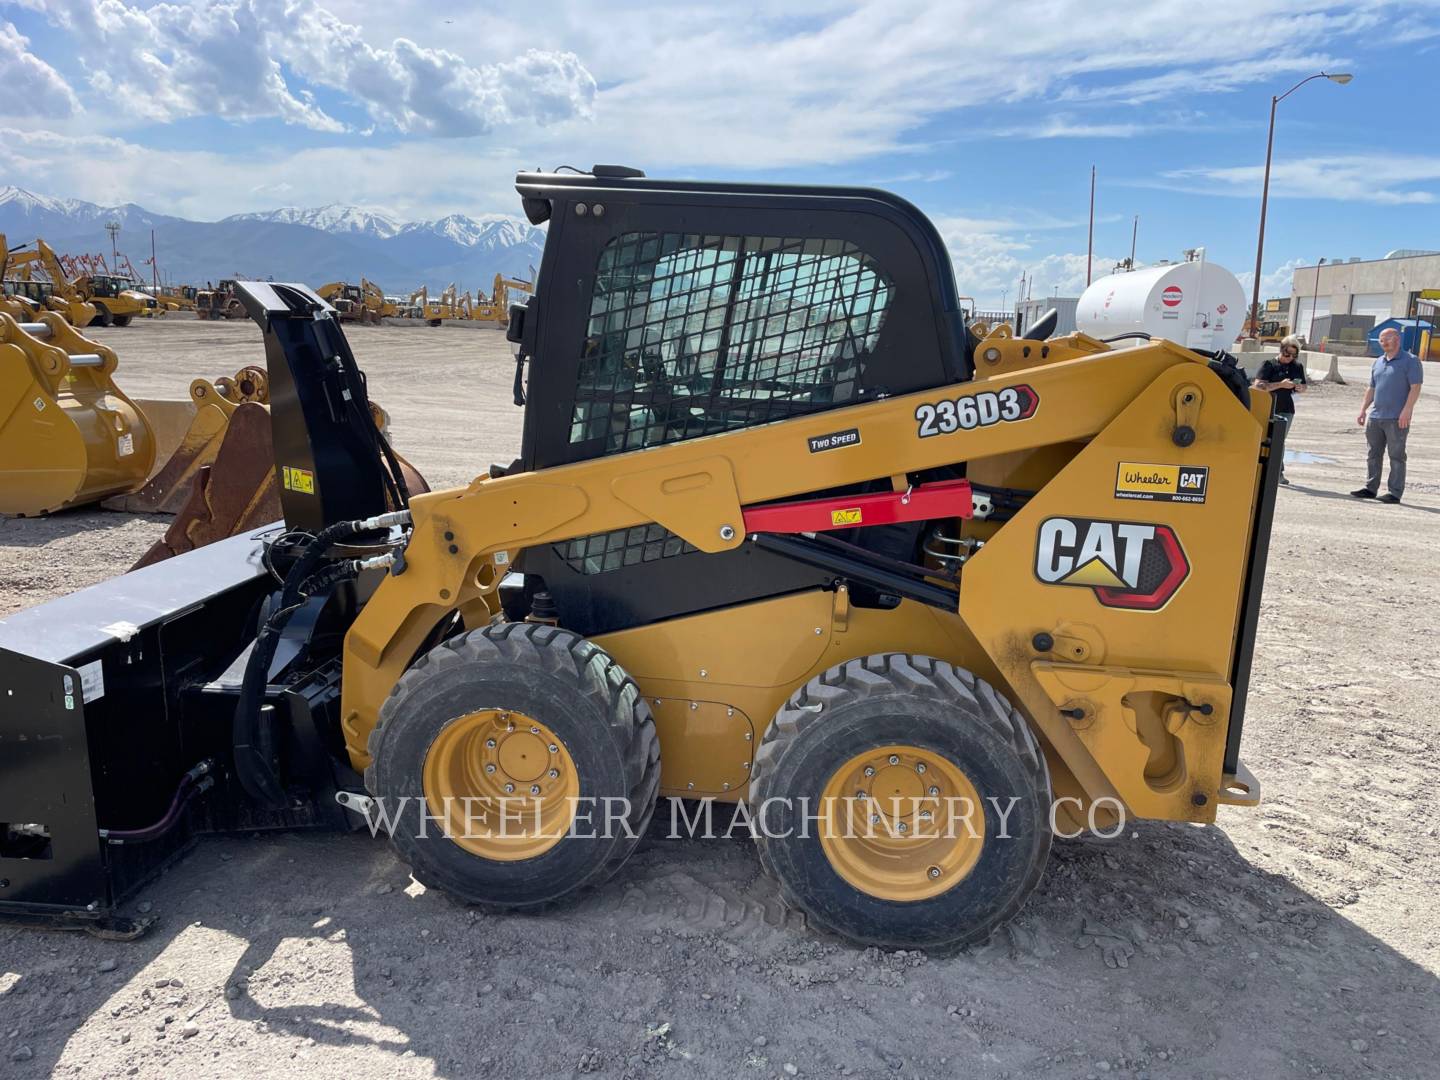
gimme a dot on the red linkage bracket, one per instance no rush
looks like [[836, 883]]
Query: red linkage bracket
[[947, 498]]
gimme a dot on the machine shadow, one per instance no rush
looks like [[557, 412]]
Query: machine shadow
[[1162, 907]]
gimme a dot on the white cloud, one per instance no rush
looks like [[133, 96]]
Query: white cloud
[[247, 59], [1276, 282], [991, 255], [32, 87], [1381, 177], [206, 185]]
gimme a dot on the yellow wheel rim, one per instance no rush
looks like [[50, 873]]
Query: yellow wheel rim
[[901, 823], [503, 785]]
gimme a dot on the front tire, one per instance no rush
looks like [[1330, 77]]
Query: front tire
[[527, 721], [121, 320], [102, 316], [929, 801]]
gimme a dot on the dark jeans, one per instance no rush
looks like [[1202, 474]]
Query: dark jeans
[[1289, 419], [1383, 436]]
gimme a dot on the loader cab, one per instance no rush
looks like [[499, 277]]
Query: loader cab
[[671, 311], [691, 309]]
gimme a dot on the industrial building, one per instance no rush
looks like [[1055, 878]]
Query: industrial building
[[1028, 311], [1380, 288]]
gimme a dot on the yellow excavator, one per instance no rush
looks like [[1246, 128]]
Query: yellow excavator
[[781, 532], [495, 308], [52, 290]]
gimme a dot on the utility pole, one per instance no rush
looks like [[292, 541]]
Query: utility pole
[[113, 228], [1090, 239], [154, 266], [1341, 78], [1134, 232]]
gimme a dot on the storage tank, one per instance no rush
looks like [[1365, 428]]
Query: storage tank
[[1197, 304]]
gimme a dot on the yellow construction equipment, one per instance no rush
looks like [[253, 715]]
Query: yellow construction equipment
[[495, 308], [52, 290], [219, 302], [117, 299], [782, 531], [363, 303], [176, 298], [68, 435]]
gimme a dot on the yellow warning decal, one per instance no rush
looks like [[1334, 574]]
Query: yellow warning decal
[[845, 517], [301, 480]]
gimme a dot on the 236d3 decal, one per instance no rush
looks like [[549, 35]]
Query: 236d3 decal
[[982, 409], [1129, 564]]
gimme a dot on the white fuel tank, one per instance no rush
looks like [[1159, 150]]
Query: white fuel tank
[[1196, 304]]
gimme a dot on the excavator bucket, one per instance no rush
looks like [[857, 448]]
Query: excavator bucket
[[68, 436], [189, 435], [235, 490]]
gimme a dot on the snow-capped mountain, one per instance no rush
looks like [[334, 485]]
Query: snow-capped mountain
[[45, 211], [334, 218], [488, 231], [315, 245]]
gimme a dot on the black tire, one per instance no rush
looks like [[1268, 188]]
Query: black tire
[[121, 320], [434, 322], [102, 316], [919, 701], [564, 682]]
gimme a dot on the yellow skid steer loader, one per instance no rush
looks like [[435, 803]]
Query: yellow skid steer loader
[[781, 532]]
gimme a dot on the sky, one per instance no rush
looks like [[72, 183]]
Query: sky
[[986, 115]]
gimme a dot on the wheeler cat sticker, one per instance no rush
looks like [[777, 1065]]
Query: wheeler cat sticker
[[1161, 483], [1128, 564], [982, 409]]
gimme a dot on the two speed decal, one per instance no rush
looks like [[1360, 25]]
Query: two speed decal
[[970, 411]]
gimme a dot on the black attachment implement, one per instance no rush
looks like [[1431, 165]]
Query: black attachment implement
[[332, 463]]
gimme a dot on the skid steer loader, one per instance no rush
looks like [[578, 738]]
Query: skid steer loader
[[781, 532]]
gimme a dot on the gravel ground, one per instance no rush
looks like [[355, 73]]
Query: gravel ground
[[1298, 939]]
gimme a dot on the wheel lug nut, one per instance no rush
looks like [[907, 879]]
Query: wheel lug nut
[[534, 731], [554, 749], [902, 827], [920, 767], [553, 773], [861, 795], [490, 768], [874, 819], [934, 790], [869, 770], [509, 788], [894, 759], [924, 815], [534, 789], [490, 744], [934, 872]]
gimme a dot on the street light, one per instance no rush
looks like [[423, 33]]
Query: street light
[[1342, 79]]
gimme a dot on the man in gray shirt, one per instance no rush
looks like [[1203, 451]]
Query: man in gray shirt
[[1394, 388]]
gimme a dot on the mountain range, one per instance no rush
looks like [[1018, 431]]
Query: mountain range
[[327, 243]]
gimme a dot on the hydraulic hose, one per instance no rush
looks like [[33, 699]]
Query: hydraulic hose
[[253, 730], [195, 782]]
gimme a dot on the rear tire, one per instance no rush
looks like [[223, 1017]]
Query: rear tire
[[427, 747], [903, 711]]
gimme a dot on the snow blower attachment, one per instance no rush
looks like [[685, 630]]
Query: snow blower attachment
[[782, 531], [68, 436]]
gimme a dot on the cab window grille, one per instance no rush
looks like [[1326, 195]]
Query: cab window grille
[[691, 334], [602, 552]]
